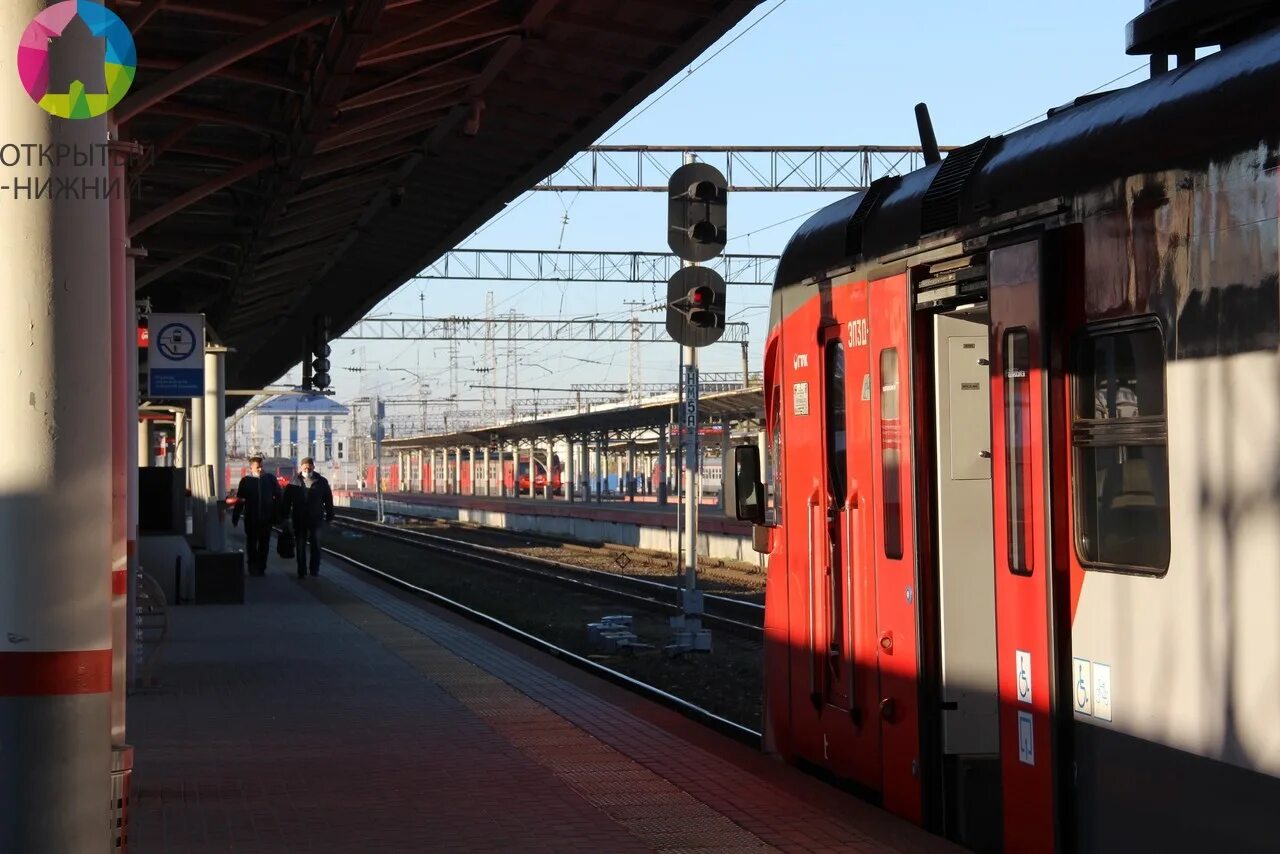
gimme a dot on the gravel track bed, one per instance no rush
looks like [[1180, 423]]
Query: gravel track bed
[[725, 578], [727, 682]]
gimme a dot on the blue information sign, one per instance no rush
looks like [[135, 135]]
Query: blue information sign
[[175, 359]]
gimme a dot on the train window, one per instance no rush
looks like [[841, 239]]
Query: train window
[[1017, 435], [1119, 440], [890, 451], [837, 479]]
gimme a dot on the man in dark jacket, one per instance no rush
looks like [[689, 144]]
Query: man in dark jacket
[[309, 503], [257, 497]]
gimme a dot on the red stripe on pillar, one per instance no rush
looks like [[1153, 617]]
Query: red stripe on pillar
[[34, 674], [119, 582]]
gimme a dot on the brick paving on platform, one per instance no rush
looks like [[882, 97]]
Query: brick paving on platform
[[332, 714]]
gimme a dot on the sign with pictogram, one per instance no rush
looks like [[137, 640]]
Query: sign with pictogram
[[1082, 685], [175, 356], [1022, 673], [1026, 739]]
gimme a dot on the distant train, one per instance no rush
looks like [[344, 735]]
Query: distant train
[[281, 468], [1021, 492]]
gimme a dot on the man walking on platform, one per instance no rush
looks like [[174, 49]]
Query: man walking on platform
[[258, 497], [309, 502]]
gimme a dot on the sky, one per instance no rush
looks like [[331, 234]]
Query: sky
[[794, 72]]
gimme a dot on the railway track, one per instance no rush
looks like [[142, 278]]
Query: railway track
[[691, 710], [743, 618]]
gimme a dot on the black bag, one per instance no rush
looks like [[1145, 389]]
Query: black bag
[[284, 543]]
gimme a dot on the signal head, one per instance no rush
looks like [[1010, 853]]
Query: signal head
[[704, 191], [697, 212]]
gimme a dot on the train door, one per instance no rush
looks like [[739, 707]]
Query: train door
[[893, 555], [851, 718], [964, 721], [829, 572], [1025, 636]]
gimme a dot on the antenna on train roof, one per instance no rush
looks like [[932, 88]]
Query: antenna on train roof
[[928, 141]]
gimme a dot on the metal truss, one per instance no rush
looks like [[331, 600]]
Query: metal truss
[[570, 266], [520, 329], [836, 169]]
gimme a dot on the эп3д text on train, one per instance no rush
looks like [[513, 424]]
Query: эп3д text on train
[[1021, 489]]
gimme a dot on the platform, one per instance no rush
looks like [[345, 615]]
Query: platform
[[335, 714], [638, 524]]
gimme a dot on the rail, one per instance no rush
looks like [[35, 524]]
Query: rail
[[746, 618], [731, 728]]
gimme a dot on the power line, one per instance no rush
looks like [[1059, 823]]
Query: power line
[[693, 70], [1039, 116]]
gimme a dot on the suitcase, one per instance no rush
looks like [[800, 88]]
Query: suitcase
[[284, 543]]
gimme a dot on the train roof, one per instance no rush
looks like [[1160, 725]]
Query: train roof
[[1180, 119]]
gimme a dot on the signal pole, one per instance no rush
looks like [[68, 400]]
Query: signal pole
[[693, 631], [696, 232], [375, 422]]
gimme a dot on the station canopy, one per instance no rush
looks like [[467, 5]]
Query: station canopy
[[310, 156], [613, 418]]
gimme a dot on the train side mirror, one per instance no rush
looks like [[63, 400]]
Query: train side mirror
[[749, 487]]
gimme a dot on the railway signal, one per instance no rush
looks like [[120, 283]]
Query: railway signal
[[697, 212], [696, 306], [320, 350]]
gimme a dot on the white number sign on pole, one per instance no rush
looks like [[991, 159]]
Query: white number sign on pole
[[691, 417]]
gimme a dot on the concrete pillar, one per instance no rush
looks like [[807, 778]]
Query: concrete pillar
[[143, 447], [484, 465], [215, 437], [630, 490], [476, 474], [547, 490], [600, 481], [215, 442], [195, 435], [180, 439], [726, 471], [532, 446], [132, 491], [55, 477], [661, 473], [570, 484], [124, 415]]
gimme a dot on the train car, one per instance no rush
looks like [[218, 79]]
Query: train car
[[539, 476], [1021, 489], [279, 467]]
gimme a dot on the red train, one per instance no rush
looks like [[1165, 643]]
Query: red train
[[281, 468], [512, 476], [1021, 493]]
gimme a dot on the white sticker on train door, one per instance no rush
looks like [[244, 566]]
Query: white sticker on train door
[[1102, 691], [1026, 739], [866, 386], [1022, 672], [800, 398], [1082, 686]]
